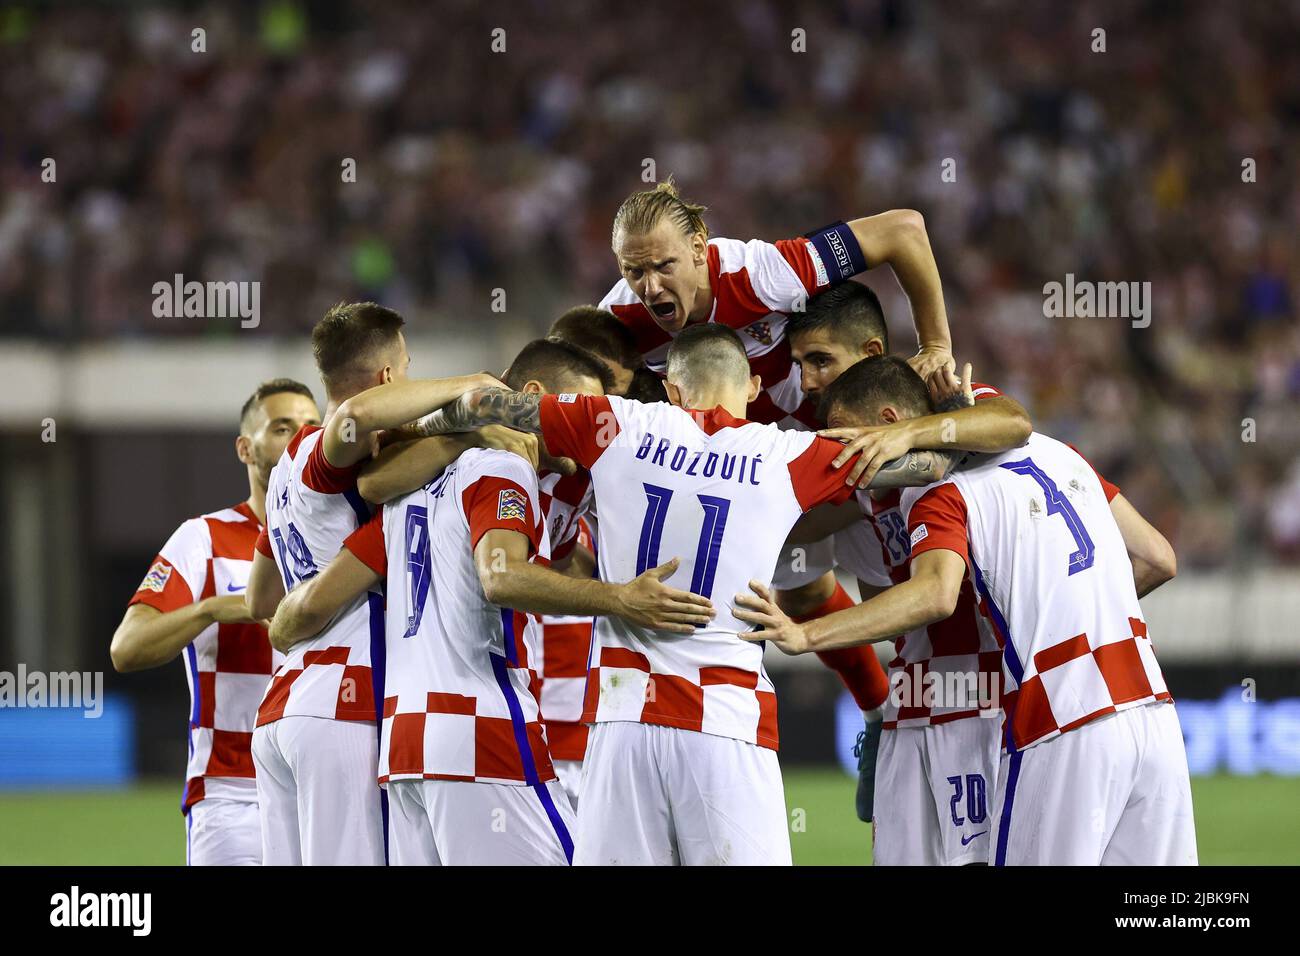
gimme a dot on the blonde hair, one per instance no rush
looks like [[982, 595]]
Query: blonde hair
[[641, 212]]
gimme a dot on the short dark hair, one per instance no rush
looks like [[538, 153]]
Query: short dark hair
[[600, 333], [646, 387], [707, 352], [850, 312], [346, 342], [554, 364], [869, 385], [274, 387]]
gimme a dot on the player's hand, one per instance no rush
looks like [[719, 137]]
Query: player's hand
[[507, 439], [951, 399], [936, 365], [874, 444], [760, 608], [228, 609], [647, 601]]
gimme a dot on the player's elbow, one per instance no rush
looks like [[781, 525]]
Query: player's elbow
[[372, 489], [1019, 426], [499, 586], [908, 223], [261, 604], [357, 410], [944, 601], [1165, 563], [123, 654]]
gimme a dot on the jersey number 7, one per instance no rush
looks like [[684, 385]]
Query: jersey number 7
[[1058, 504]]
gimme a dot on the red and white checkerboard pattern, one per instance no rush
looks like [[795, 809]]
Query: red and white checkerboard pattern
[[1086, 680], [459, 689], [726, 701], [329, 676], [564, 641], [746, 483], [228, 666], [1054, 582]]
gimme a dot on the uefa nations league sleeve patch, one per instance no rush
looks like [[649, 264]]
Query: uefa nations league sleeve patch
[[511, 505], [157, 577]]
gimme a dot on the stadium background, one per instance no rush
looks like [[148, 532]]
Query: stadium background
[[487, 178]]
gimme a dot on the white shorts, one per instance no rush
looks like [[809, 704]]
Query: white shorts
[[462, 823], [223, 833], [570, 774], [318, 792], [934, 793], [656, 795], [1112, 792]]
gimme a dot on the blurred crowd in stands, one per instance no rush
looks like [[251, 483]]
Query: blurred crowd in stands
[[1167, 157]]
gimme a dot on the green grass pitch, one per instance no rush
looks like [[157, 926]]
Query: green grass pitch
[[1238, 821]]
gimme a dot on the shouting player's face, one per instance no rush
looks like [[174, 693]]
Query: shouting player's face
[[270, 427], [669, 273]]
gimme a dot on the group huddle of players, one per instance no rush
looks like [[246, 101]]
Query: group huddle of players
[[522, 621]]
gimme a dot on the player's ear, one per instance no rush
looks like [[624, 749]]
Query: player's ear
[[755, 386], [873, 347], [700, 248], [386, 375], [533, 387], [674, 394], [244, 449], [889, 415]]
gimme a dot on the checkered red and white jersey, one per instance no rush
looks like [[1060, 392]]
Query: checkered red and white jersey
[[717, 492], [755, 285], [564, 642], [459, 700], [947, 671], [228, 666], [311, 507], [1054, 580]]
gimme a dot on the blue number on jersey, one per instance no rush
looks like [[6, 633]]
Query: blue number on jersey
[[976, 799], [296, 562], [706, 555], [1058, 504], [418, 566], [896, 531], [652, 528], [709, 548]]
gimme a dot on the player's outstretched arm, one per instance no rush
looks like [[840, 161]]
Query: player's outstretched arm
[[1153, 558], [898, 237], [311, 605], [929, 595], [347, 434], [401, 468], [510, 580], [484, 406], [961, 425], [265, 588], [148, 637]]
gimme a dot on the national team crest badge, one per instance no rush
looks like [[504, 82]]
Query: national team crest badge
[[157, 577], [511, 505], [760, 331]]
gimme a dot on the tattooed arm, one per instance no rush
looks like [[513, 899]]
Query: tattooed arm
[[483, 406]]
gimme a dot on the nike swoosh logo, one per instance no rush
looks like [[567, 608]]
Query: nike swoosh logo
[[231, 587], [967, 839]]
